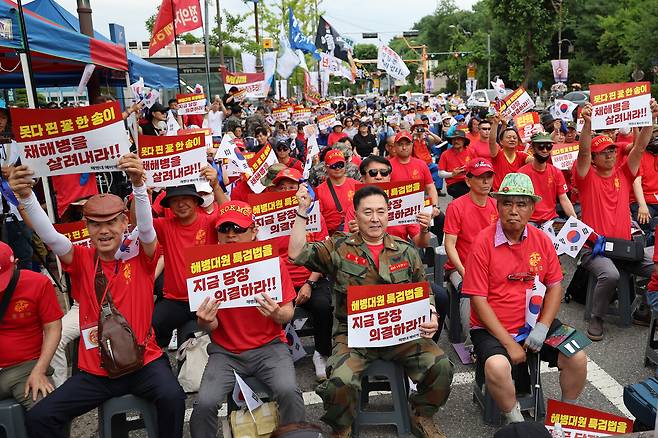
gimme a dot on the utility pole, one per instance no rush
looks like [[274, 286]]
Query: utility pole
[[206, 48], [488, 60], [557, 5], [259, 61]]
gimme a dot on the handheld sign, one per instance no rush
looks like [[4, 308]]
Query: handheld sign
[[405, 200], [620, 105], [275, 214], [579, 421], [172, 160]]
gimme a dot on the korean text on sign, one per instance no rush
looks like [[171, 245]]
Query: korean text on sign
[[76, 232], [258, 165], [72, 140], [578, 421], [620, 105], [405, 201], [233, 274], [275, 214], [191, 104], [517, 102], [172, 160], [387, 314]]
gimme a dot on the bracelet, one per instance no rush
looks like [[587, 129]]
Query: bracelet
[[301, 215]]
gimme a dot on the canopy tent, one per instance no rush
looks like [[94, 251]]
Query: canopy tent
[[155, 76]]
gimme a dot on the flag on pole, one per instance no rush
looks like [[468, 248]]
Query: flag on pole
[[563, 110], [331, 42], [297, 39], [499, 87], [188, 18], [288, 59]]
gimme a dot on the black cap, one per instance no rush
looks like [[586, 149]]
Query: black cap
[[186, 190], [157, 106], [460, 134]]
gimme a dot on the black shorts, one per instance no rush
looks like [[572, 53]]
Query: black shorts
[[486, 345]]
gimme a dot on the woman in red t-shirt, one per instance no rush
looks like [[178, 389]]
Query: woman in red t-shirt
[[508, 159]]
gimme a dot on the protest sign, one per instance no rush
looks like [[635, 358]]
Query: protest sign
[[71, 140], [405, 200], [389, 61], [582, 422], [253, 83], [301, 114], [528, 124], [233, 274], [206, 132], [258, 165], [572, 237], [240, 95], [76, 232], [517, 102], [326, 121], [281, 114], [275, 214], [386, 314], [564, 155], [313, 151], [172, 160], [191, 104], [620, 105]]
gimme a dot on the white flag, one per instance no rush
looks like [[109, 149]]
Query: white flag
[[248, 395], [133, 128], [269, 65], [86, 75], [287, 60], [172, 124], [313, 150], [499, 87], [302, 60], [248, 62], [138, 89], [389, 61], [129, 246], [572, 236], [563, 110]]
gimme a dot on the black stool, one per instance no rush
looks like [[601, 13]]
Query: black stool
[[650, 353], [12, 419], [113, 420]]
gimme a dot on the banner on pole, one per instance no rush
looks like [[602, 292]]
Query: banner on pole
[[579, 421], [253, 83], [389, 61], [188, 17], [560, 69]]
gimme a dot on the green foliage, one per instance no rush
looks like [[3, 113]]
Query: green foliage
[[606, 73]]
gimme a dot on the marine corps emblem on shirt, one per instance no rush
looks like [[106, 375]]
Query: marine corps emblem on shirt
[[534, 261], [21, 306], [350, 194], [617, 183], [414, 174], [200, 237], [127, 272]]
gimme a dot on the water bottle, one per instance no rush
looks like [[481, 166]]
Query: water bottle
[[557, 431]]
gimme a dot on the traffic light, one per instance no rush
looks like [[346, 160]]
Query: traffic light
[[367, 35]]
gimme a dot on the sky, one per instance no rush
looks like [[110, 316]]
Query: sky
[[349, 17]]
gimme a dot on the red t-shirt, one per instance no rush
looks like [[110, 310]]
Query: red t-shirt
[[604, 201], [298, 273], [68, 189], [488, 267], [173, 237], [548, 184], [375, 250], [480, 148], [452, 159], [415, 169], [344, 193], [245, 328], [649, 174], [465, 219], [32, 305], [132, 294], [502, 167], [241, 191], [334, 137], [193, 119], [294, 163]]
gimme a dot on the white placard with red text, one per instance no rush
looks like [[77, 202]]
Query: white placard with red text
[[172, 160], [71, 140], [275, 214], [386, 314], [233, 274], [564, 155], [405, 200], [326, 121], [517, 102], [620, 105], [191, 104], [258, 165]]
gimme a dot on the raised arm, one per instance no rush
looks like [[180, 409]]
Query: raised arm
[[584, 160], [642, 140]]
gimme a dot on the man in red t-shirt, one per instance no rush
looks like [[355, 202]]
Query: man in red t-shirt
[[645, 188], [188, 227], [282, 151], [336, 193], [547, 180], [480, 145], [30, 328], [130, 283], [604, 187], [505, 260], [246, 340]]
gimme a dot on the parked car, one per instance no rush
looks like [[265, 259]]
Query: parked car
[[579, 97], [482, 98]]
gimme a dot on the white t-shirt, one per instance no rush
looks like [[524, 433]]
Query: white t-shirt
[[214, 121]]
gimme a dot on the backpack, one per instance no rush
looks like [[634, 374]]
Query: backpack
[[577, 289]]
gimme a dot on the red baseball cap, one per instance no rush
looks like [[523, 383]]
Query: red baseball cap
[[333, 156], [235, 212], [601, 143], [403, 134], [288, 173], [479, 166], [7, 265]]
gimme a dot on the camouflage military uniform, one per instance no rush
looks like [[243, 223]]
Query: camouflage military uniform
[[425, 363]]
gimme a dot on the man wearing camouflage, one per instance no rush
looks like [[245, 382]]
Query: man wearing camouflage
[[371, 256]]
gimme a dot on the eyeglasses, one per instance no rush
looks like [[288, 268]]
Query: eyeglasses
[[227, 227], [521, 276], [383, 172], [544, 147], [283, 148], [337, 166]]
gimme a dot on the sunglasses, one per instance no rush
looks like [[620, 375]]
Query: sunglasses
[[282, 148], [337, 166], [544, 147], [227, 227], [383, 172]]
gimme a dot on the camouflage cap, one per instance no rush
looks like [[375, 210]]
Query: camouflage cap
[[517, 184], [541, 137], [272, 172]]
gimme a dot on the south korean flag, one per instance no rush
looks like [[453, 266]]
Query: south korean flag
[[572, 237]]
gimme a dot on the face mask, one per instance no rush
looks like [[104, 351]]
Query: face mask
[[208, 200], [541, 159], [652, 147]]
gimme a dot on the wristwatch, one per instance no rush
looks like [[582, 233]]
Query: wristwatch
[[311, 283]]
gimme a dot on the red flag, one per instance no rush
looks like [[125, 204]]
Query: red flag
[[188, 17]]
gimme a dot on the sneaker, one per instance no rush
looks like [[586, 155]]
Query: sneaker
[[424, 427], [343, 433], [173, 343], [320, 363], [642, 315], [595, 329]]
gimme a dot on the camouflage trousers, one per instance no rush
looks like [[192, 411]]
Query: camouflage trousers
[[423, 361]]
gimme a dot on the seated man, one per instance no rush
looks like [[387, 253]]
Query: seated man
[[505, 260], [248, 340], [30, 326], [371, 256], [130, 283]]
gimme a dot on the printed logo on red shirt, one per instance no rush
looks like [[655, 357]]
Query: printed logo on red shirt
[[200, 237], [535, 260], [350, 195], [617, 184], [398, 266], [127, 272], [356, 259], [21, 306]]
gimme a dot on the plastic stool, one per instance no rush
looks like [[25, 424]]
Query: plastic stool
[[111, 427], [12, 419], [650, 353], [454, 324], [490, 412], [259, 388], [307, 329], [624, 307], [396, 381]]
